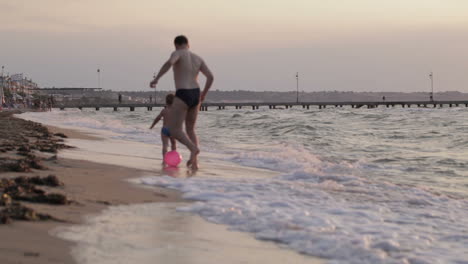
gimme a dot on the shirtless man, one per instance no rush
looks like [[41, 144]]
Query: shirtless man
[[186, 66]]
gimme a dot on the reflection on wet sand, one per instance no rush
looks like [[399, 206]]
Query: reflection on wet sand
[[158, 233]]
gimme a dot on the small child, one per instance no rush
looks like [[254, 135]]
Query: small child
[[165, 134]]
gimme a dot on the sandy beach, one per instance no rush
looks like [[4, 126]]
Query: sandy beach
[[90, 187]]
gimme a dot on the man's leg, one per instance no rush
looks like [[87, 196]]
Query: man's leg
[[177, 116], [190, 121]]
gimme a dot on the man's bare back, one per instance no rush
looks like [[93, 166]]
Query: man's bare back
[[186, 69]]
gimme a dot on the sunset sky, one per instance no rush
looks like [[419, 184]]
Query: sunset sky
[[359, 45]]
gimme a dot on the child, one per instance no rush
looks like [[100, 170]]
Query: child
[[165, 134]]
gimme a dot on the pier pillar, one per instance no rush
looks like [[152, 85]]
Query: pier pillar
[[450, 105], [320, 107], [79, 107], [435, 105], [253, 107], [132, 108], [409, 105], [97, 108], [115, 108], [456, 105], [219, 107], [62, 108], [150, 108], [440, 105], [308, 107], [352, 106], [387, 105]]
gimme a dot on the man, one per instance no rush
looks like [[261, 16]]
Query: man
[[186, 66]]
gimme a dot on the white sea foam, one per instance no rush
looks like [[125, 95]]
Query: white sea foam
[[342, 219]]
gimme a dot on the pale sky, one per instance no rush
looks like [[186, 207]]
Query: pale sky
[[344, 45]]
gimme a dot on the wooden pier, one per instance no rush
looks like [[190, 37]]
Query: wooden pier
[[281, 105]]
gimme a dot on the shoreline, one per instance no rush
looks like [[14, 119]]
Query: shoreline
[[91, 187]]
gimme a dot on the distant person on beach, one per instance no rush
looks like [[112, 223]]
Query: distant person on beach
[[165, 134], [186, 67], [120, 98], [49, 104]]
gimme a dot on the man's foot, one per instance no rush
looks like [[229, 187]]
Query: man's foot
[[193, 161]]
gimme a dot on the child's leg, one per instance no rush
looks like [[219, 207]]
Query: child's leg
[[165, 144], [173, 144]]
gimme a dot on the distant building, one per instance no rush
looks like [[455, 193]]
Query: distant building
[[16, 89]]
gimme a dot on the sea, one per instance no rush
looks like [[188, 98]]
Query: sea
[[383, 185]]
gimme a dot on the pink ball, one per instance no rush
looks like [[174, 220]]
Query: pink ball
[[172, 158]]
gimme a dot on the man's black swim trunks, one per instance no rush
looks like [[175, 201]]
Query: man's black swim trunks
[[191, 97]]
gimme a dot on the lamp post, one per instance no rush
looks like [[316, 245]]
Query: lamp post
[[297, 87], [431, 76], [99, 77]]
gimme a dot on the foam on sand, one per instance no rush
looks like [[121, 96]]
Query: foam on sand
[[157, 233]]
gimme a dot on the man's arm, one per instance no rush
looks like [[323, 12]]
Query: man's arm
[[166, 66], [209, 80]]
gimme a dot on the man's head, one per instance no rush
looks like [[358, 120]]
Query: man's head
[[181, 42], [169, 99]]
